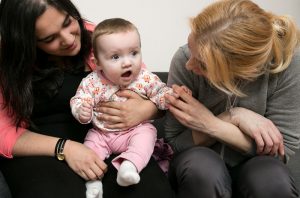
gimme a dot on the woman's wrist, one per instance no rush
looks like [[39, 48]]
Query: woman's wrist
[[59, 149], [233, 113], [230, 116], [150, 110]]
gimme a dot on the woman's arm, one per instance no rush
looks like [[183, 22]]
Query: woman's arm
[[123, 115], [192, 114], [22, 142], [80, 158]]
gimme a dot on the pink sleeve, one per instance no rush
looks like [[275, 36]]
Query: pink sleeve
[[90, 61], [89, 26], [8, 132]]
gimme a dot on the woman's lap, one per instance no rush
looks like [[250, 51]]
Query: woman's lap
[[30, 177], [153, 183], [199, 171], [265, 176], [251, 176], [4, 190]]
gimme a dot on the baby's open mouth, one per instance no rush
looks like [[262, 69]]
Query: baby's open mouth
[[126, 74]]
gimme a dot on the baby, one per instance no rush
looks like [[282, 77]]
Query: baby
[[117, 51]]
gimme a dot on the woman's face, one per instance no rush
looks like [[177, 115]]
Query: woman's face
[[194, 63], [58, 33]]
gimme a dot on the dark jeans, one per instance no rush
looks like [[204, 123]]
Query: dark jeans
[[4, 190], [200, 172]]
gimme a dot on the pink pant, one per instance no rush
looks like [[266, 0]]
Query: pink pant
[[135, 145]]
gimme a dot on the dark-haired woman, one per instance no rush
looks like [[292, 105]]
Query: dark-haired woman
[[45, 52]]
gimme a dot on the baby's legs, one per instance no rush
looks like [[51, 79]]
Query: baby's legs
[[139, 145], [97, 143]]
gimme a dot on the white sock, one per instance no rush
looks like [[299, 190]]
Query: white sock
[[127, 174], [94, 189]]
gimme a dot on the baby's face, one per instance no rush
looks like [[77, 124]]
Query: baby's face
[[119, 56]]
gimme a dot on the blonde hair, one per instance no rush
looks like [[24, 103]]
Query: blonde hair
[[237, 40], [111, 26]]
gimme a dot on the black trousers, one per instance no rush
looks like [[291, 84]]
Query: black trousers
[[199, 172], [46, 177], [4, 190]]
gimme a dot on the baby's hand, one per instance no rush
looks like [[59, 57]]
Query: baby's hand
[[85, 112]]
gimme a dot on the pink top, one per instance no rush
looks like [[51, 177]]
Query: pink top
[[8, 131]]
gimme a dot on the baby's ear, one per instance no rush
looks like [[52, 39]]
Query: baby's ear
[[97, 63]]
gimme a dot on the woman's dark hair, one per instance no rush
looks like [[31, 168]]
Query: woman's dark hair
[[23, 67]]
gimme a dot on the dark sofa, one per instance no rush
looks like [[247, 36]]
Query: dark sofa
[[294, 163]]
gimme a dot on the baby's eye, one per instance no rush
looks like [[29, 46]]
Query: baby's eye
[[134, 53], [115, 57]]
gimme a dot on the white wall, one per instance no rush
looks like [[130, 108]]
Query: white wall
[[163, 24]]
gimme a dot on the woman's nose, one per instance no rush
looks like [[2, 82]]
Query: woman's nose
[[67, 38], [188, 65]]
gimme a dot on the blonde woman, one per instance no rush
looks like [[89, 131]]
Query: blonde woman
[[234, 136]]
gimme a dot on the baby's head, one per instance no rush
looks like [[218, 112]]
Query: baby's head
[[117, 50]]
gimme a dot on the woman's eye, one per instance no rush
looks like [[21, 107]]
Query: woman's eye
[[67, 22], [202, 65], [48, 40]]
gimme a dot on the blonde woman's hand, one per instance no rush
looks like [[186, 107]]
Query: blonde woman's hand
[[189, 111], [269, 140], [84, 161], [124, 115]]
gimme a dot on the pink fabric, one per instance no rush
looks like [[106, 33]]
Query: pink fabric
[[8, 132], [163, 153], [135, 145], [90, 62]]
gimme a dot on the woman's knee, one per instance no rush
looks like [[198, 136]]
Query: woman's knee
[[266, 176], [200, 171]]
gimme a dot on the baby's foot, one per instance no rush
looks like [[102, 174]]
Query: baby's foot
[[127, 174], [94, 189], [128, 178]]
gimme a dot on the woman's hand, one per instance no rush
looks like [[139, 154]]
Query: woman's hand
[[195, 116], [189, 111], [268, 138], [84, 161], [124, 115]]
